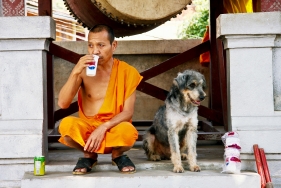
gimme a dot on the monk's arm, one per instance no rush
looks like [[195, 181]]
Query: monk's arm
[[73, 83], [95, 139], [69, 90]]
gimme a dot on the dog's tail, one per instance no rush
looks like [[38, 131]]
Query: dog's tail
[[145, 144], [148, 142], [145, 147]]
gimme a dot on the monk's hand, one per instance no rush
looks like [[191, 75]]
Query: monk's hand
[[95, 139], [82, 63]]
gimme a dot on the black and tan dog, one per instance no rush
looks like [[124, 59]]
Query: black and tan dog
[[174, 129]]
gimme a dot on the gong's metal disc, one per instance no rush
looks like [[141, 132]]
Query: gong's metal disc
[[126, 17]]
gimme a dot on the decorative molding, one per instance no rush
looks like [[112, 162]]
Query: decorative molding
[[270, 5], [13, 7]]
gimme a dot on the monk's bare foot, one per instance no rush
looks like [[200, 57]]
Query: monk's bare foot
[[128, 169]]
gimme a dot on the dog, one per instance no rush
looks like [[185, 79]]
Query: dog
[[174, 128]]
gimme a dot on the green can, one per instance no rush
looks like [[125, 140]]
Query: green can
[[39, 166]]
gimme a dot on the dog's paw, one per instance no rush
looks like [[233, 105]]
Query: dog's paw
[[155, 158], [195, 168], [183, 156], [178, 169]]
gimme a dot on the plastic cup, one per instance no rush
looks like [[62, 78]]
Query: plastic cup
[[92, 68]]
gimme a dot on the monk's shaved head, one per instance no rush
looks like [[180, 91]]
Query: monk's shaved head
[[101, 27]]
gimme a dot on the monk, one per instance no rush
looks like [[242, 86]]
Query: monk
[[106, 105]]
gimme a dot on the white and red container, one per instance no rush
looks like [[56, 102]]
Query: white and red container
[[232, 162], [91, 70]]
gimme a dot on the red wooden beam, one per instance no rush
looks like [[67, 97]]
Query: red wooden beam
[[223, 82], [176, 60], [152, 90], [45, 8], [64, 53], [50, 91], [210, 114], [215, 91], [256, 5]]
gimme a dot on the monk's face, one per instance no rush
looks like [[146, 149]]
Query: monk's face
[[99, 44]]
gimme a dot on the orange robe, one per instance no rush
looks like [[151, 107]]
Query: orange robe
[[204, 58], [123, 82], [238, 6]]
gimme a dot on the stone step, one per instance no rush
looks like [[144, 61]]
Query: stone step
[[209, 157], [143, 179], [149, 173], [104, 163]]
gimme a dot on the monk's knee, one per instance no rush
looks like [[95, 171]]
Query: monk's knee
[[128, 131], [68, 120], [66, 123]]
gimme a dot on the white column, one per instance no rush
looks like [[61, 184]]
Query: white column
[[23, 123], [252, 44], [1, 11], [277, 73]]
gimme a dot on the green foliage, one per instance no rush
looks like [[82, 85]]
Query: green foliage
[[58, 5], [195, 27]]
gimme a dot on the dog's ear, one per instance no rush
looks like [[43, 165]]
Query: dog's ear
[[175, 82], [204, 83], [181, 79]]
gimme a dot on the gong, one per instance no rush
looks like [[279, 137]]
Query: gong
[[126, 17]]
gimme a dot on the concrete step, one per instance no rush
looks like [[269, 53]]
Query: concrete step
[[149, 173], [143, 179], [61, 158]]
